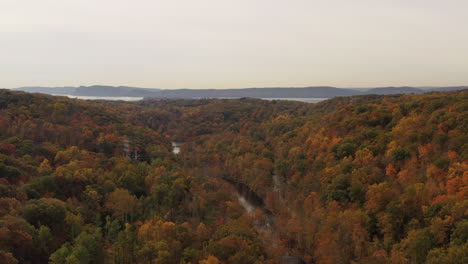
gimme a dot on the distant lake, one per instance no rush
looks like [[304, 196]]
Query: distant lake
[[305, 100], [133, 99], [110, 98]]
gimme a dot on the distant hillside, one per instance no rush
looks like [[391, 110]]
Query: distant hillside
[[95, 90], [446, 89], [48, 90], [268, 92], [394, 90], [276, 92]]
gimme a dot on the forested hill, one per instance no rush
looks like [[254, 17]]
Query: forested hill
[[267, 92], [360, 179]]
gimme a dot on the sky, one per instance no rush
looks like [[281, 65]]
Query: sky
[[233, 43]]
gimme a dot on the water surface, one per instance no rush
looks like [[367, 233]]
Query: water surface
[[110, 98], [134, 99]]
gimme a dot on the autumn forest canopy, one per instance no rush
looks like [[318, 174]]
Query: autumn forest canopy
[[360, 179]]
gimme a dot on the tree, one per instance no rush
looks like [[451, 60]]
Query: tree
[[43, 240], [210, 260], [9, 206], [400, 154], [453, 255], [47, 211], [417, 245], [7, 258], [121, 203], [10, 173], [460, 233], [45, 168], [84, 250]]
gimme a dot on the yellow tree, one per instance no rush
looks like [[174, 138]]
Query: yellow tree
[[210, 260], [121, 203]]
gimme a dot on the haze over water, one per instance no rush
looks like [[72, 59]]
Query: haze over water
[[131, 99]]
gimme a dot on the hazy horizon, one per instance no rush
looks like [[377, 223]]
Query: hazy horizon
[[212, 44], [307, 86]]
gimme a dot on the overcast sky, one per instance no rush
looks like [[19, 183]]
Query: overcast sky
[[233, 43]]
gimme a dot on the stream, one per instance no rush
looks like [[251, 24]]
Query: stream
[[176, 147], [247, 198], [251, 202]]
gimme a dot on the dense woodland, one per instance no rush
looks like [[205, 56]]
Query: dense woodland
[[362, 179]]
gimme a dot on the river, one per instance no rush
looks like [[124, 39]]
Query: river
[[251, 202]]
